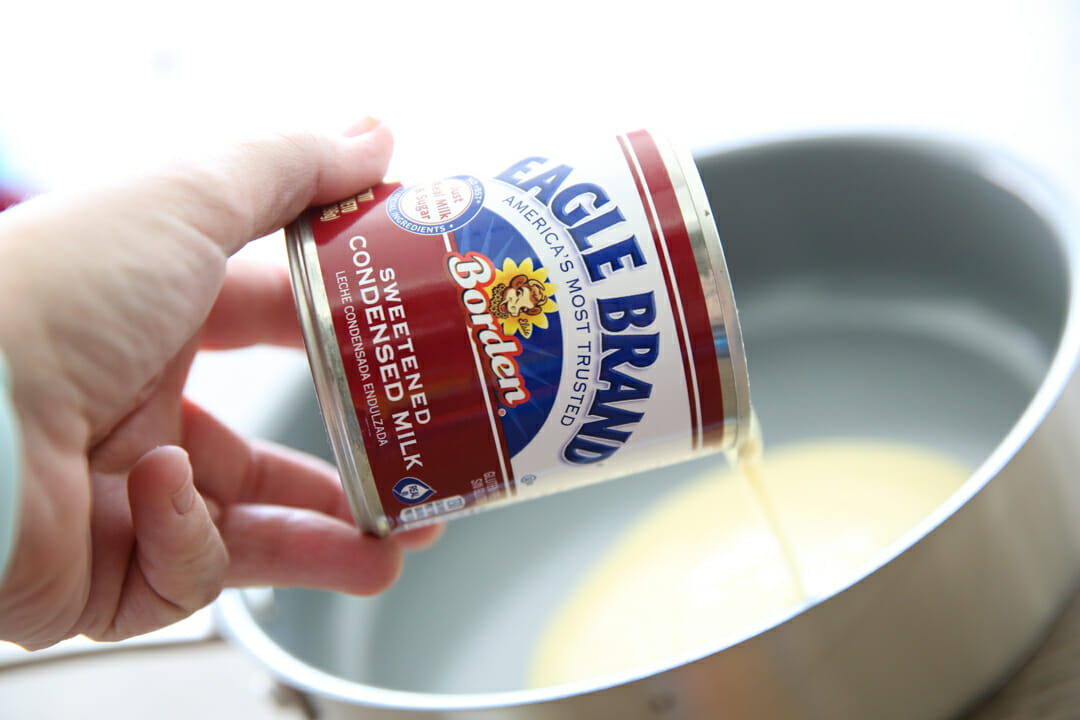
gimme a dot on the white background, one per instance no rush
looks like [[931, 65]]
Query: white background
[[102, 87]]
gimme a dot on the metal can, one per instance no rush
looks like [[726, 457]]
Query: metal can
[[480, 340]]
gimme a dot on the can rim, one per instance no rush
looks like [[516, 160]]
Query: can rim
[[328, 375], [731, 363]]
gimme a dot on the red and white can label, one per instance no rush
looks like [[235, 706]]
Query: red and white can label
[[513, 335]]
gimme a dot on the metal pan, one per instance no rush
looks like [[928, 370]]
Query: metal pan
[[894, 287]]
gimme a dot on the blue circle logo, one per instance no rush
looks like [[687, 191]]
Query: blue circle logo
[[436, 207], [410, 490]]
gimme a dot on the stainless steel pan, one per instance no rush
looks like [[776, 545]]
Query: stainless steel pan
[[906, 288]]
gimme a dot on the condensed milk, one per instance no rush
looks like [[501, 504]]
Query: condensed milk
[[482, 339], [728, 554]]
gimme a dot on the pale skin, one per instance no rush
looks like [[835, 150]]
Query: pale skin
[[138, 506], [518, 300]]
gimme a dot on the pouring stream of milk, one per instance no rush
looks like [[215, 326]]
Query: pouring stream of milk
[[748, 460]]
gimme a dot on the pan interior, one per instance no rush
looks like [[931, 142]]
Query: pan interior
[[886, 290]]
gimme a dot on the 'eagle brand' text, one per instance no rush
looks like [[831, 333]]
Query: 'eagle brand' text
[[593, 222]]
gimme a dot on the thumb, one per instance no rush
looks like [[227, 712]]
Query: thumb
[[259, 186], [181, 560]]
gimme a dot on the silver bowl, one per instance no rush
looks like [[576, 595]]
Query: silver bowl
[[907, 288]]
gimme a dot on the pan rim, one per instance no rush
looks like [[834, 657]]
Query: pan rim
[[991, 163]]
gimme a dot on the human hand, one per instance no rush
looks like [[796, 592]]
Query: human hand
[[137, 505]]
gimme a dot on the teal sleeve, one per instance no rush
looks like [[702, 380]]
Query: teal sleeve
[[10, 455]]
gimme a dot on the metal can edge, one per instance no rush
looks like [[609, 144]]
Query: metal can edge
[[715, 280], [328, 375]]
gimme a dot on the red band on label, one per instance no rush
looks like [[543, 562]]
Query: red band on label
[[687, 296], [421, 402]]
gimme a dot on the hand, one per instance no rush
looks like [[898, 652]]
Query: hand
[[137, 505]]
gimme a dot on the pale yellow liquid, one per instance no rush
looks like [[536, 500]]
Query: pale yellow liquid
[[707, 565], [749, 462]]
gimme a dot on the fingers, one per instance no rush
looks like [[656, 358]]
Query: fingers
[[285, 518], [298, 548], [180, 560], [255, 305], [420, 538], [232, 469], [264, 184]]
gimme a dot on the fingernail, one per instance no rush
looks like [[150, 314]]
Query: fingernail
[[359, 128], [184, 498]]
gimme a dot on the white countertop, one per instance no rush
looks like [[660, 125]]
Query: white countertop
[[107, 86]]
